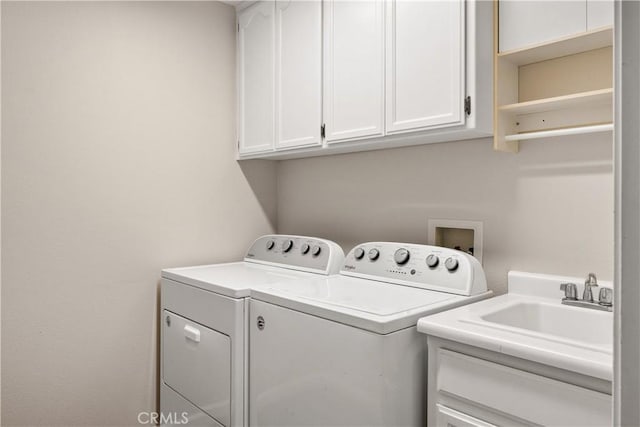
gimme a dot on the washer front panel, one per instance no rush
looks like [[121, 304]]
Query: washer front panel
[[304, 368]]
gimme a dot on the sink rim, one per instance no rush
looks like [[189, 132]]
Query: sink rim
[[479, 320]]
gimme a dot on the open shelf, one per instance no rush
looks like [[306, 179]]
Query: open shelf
[[576, 100], [552, 89], [590, 40], [578, 130]]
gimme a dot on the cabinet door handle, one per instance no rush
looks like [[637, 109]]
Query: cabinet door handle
[[192, 333]]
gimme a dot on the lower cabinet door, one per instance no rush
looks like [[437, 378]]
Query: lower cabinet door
[[196, 363], [522, 395], [447, 417]]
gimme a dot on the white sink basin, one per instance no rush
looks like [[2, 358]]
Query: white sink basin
[[580, 326], [531, 323]]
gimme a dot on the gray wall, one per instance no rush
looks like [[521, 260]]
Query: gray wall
[[117, 160], [627, 299], [548, 209]]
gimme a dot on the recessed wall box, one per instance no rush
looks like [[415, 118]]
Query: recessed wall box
[[465, 236]]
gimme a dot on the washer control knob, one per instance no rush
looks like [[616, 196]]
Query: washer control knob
[[287, 245], [315, 251], [433, 260], [358, 253], [270, 244], [304, 249], [374, 254], [402, 256], [451, 264]]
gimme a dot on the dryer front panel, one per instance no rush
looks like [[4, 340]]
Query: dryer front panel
[[197, 365]]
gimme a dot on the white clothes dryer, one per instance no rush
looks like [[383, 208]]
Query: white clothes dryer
[[344, 350], [204, 326]]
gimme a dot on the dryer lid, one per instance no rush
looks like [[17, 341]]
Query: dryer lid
[[233, 279]]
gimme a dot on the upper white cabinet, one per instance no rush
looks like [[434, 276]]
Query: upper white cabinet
[[353, 69], [425, 64], [599, 13], [256, 71], [526, 23], [298, 73], [332, 76]]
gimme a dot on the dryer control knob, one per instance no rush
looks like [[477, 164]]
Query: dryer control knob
[[433, 260], [402, 256], [287, 245], [270, 244], [305, 248], [315, 251], [358, 253], [374, 254], [451, 264]]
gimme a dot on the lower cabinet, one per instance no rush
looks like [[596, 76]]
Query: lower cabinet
[[451, 418], [487, 389]]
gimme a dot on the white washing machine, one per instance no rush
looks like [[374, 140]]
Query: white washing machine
[[344, 350], [204, 326]]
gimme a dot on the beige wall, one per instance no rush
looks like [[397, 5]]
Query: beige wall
[[117, 161], [548, 209]]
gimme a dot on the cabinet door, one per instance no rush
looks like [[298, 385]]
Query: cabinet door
[[353, 69], [525, 23], [425, 64], [599, 13], [519, 394], [298, 73], [256, 34]]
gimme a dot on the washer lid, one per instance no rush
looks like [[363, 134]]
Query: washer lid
[[368, 304], [233, 279]]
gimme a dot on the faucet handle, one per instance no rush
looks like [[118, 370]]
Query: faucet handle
[[570, 291], [605, 297]]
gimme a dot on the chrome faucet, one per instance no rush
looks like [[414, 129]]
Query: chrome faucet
[[591, 282], [605, 297]]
